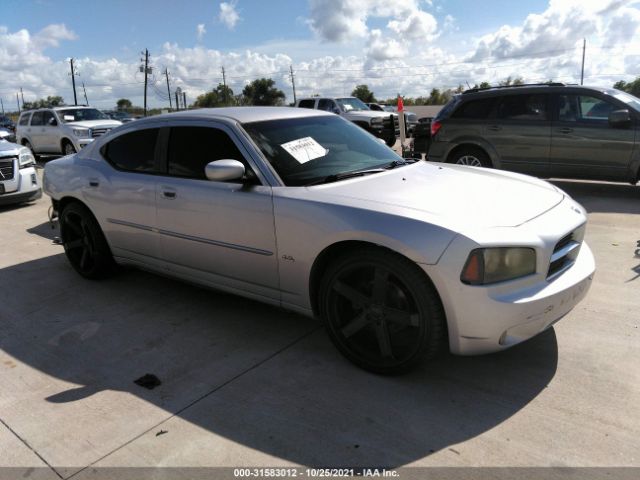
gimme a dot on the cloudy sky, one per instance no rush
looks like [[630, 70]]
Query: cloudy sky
[[394, 46]]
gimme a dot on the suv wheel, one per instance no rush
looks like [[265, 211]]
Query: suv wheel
[[473, 157], [68, 148], [28, 145]]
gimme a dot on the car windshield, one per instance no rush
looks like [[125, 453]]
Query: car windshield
[[627, 98], [80, 114], [352, 104], [306, 150]]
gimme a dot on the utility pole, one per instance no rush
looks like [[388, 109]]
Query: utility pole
[[86, 100], [584, 47], [293, 82], [18, 102], [166, 73], [224, 83], [22, 95], [146, 73], [184, 100], [177, 101], [73, 82]]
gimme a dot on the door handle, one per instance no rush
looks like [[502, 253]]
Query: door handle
[[169, 194], [93, 182], [566, 130], [494, 128]]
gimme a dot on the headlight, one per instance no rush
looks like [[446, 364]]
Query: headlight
[[26, 160], [491, 265], [82, 132], [375, 121]]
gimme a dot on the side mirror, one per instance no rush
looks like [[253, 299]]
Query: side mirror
[[336, 110], [52, 122], [620, 119], [224, 170]]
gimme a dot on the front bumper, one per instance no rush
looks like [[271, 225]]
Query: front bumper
[[486, 319], [79, 144], [24, 186]]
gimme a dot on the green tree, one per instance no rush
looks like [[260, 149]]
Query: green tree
[[124, 104], [220, 96], [511, 81], [50, 101], [630, 87], [262, 92], [363, 93]]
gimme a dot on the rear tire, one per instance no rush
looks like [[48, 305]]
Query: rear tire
[[473, 157], [28, 145], [381, 311], [84, 243]]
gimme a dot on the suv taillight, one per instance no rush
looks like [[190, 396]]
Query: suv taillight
[[435, 127]]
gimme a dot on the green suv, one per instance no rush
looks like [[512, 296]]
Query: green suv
[[548, 130]]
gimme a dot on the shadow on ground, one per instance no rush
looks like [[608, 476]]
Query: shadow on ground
[[271, 380]]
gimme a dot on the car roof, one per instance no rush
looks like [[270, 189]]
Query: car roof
[[529, 88], [62, 107], [241, 114]]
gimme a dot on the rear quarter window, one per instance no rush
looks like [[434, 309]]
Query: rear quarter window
[[475, 109], [307, 103], [24, 119], [448, 108]]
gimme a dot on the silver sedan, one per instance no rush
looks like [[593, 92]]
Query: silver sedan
[[304, 210]]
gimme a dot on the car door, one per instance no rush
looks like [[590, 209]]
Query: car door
[[520, 132], [221, 233], [35, 132], [122, 193], [328, 105], [49, 136], [583, 144]]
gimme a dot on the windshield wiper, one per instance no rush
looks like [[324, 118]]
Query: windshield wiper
[[342, 176]]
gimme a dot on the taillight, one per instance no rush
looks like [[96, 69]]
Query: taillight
[[435, 127]]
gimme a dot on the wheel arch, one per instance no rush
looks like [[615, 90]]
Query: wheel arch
[[63, 140], [324, 258], [478, 144]]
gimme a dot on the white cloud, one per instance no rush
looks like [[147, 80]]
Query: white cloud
[[228, 15], [200, 31]]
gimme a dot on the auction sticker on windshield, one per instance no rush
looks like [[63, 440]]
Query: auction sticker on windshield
[[305, 149]]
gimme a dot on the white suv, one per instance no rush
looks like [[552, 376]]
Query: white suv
[[18, 178], [61, 130], [383, 125]]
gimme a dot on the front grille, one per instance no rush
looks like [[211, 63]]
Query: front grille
[[96, 132], [6, 169], [564, 254]]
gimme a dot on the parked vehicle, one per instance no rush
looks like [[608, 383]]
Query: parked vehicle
[[6, 122], [61, 130], [300, 208], [123, 117], [7, 135], [18, 178], [382, 125], [545, 130], [410, 118]]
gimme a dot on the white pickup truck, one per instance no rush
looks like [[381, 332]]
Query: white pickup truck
[[381, 124]]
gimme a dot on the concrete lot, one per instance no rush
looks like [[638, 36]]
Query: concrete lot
[[245, 384]]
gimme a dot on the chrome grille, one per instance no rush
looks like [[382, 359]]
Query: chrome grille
[[564, 254], [96, 132], [6, 169]]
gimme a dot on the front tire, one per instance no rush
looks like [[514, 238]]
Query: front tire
[[84, 243], [473, 157], [68, 148], [381, 311], [28, 145], [391, 141]]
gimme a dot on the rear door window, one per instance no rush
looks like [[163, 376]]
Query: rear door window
[[134, 151], [47, 116], [326, 105], [523, 107], [24, 119]]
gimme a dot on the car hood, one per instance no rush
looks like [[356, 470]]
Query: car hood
[[8, 148], [460, 195], [95, 123]]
